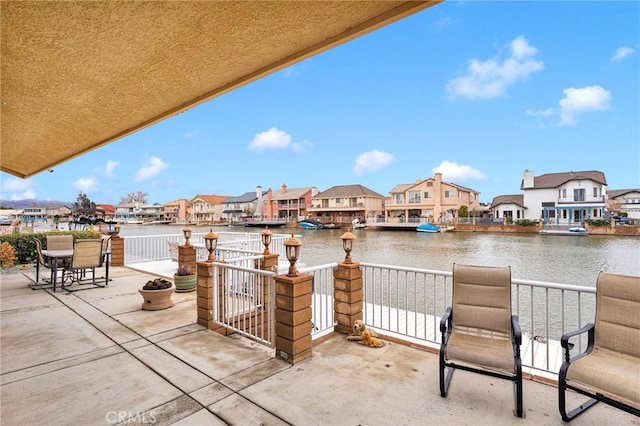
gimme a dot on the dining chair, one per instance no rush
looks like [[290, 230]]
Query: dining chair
[[60, 242], [479, 332], [608, 370], [87, 256], [41, 260]]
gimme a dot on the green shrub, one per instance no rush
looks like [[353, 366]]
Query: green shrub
[[25, 248], [598, 222], [526, 222]]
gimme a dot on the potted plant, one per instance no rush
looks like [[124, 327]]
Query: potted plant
[[157, 294], [184, 279]]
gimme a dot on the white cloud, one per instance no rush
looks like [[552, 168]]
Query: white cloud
[[29, 194], [16, 189], [541, 113], [577, 101], [622, 53], [152, 167], [458, 172], [371, 161], [271, 139], [490, 78], [15, 185], [86, 185], [110, 168]]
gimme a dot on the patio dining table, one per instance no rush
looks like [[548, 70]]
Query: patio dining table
[[60, 256]]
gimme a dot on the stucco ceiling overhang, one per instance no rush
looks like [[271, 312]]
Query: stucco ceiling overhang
[[76, 75]]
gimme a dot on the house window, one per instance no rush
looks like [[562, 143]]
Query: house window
[[398, 199], [429, 184], [518, 214], [564, 193], [427, 195], [595, 192], [448, 194], [325, 203], [414, 197], [578, 194], [459, 194], [338, 200]]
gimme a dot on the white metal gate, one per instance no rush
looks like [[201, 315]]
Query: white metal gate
[[245, 301]]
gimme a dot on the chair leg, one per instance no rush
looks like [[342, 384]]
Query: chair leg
[[517, 389], [562, 401], [445, 376]]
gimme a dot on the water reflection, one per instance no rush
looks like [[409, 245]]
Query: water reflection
[[563, 259]]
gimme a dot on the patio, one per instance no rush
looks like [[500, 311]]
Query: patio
[[94, 357]]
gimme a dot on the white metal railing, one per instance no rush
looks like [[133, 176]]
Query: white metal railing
[[408, 303], [322, 313], [146, 248], [246, 301]]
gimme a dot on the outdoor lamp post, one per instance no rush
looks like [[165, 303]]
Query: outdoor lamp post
[[347, 245], [187, 235], [211, 242], [292, 248], [266, 240]]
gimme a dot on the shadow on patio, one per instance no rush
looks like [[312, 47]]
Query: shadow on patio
[[94, 357]]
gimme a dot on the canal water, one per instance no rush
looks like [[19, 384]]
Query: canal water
[[561, 259]]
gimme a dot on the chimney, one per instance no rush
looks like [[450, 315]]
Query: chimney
[[528, 179], [284, 188]]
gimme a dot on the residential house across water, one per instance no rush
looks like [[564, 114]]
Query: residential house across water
[[432, 199], [344, 204], [288, 204]]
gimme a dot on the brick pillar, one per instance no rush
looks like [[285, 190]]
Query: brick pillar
[[347, 304], [117, 250], [293, 317], [204, 292], [187, 256]]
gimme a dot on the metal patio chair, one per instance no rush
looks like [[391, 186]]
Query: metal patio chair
[[42, 261], [479, 332], [87, 256], [609, 369], [60, 242]]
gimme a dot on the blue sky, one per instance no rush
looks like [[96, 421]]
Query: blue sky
[[479, 91]]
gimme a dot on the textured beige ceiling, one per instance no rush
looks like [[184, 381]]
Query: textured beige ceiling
[[76, 75]]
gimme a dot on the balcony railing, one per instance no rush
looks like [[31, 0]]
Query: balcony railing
[[401, 302], [407, 303]]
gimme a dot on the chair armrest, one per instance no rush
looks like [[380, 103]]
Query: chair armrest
[[515, 328], [445, 324], [564, 341]]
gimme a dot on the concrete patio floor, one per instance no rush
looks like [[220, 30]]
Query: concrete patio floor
[[93, 357]]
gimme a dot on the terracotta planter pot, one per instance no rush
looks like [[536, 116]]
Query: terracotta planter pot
[[185, 283], [157, 299]]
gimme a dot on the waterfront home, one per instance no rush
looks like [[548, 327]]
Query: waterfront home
[[206, 208], [177, 211], [430, 198], [564, 198], [108, 210], [236, 209], [624, 201], [505, 206], [287, 203], [343, 204]]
